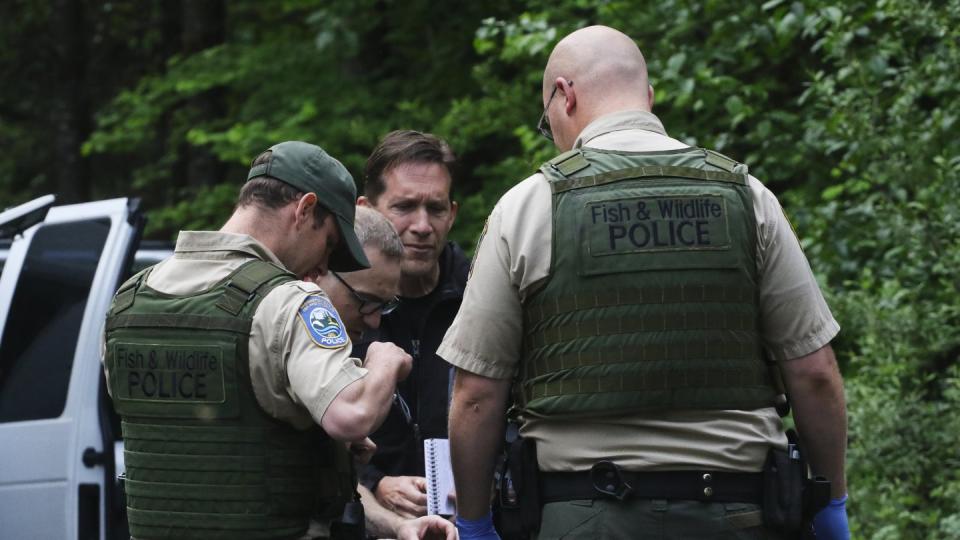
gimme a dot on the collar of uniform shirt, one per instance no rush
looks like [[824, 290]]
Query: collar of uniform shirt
[[220, 245], [620, 121]]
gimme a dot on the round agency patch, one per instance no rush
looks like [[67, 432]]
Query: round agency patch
[[323, 323]]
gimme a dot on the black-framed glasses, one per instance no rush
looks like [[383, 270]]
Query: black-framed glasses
[[543, 126], [369, 304]]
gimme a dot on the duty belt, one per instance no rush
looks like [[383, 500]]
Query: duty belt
[[607, 480]]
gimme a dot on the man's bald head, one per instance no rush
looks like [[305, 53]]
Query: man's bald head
[[608, 68], [599, 57]]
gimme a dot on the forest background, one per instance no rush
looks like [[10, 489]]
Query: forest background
[[847, 110]]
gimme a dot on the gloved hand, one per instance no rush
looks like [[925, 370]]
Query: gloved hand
[[479, 529], [830, 523]]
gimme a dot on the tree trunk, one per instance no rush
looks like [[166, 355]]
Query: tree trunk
[[69, 111], [202, 26]]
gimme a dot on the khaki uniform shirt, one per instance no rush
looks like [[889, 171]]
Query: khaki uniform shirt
[[294, 379], [513, 259]]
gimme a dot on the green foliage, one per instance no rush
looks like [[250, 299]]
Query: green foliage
[[498, 124], [902, 458], [324, 72], [203, 207], [884, 234]]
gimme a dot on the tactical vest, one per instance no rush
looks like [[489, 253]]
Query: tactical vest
[[202, 458], [652, 299]]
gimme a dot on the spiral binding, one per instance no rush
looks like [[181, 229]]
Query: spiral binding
[[433, 505]]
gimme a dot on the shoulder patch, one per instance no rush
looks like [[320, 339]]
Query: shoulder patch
[[323, 322]]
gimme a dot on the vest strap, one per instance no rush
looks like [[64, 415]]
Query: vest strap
[[249, 526], [675, 380], [204, 434], [244, 284], [212, 464], [702, 350], [127, 291], [649, 171], [569, 162], [198, 492], [161, 320], [652, 322], [537, 312], [719, 160], [155, 461]]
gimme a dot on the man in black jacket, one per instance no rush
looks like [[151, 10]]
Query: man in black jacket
[[408, 178]]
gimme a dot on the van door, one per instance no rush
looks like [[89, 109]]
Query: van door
[[55, 451]]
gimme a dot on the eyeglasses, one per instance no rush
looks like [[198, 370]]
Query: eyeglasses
[[369, 304], [404, 408], [543, 126]]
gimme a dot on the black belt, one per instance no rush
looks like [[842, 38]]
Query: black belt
[[606, 480]]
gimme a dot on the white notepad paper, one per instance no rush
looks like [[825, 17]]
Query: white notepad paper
[[436, 457]]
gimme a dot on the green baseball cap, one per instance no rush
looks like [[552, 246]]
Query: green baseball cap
[[311, 170]]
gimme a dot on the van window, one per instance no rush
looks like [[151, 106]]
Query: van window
[[40, 338]]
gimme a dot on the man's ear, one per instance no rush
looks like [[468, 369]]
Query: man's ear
[[364, 201], [453, 210], [304, 212], [569, 95], [650, 95]]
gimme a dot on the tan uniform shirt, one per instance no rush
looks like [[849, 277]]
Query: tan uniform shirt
[[294, 379], [513, 259]]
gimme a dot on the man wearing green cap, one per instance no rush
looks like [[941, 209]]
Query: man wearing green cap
[[221, 363]]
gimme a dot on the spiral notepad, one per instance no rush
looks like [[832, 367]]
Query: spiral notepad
[[436, 458]]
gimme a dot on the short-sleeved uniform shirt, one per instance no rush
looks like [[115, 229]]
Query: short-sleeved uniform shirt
[[513, 260], [294, 378]]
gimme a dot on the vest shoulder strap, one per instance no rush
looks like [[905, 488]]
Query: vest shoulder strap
[[124, 297], [566, 164], [246, 283], [721, 161], [575, 170]]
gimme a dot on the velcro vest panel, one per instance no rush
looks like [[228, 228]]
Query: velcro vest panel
[[203, 460], [652, 299]]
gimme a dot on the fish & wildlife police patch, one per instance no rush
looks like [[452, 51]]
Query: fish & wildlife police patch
[[323, 323]]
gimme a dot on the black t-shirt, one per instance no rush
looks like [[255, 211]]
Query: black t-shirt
[[418, 326]]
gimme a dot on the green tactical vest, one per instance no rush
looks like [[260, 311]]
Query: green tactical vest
[[203, 460], [652, 300]]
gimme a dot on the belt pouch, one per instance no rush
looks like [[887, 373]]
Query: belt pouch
[[783, 479], [531, 504], [506, 508], [518, 506]]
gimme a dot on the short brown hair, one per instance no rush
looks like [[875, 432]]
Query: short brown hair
[[269, 193], [404, 146]]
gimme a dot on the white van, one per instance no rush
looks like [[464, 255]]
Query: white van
[[60, 446]]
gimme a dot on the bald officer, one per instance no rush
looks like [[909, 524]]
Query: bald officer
[[633, 287], [221, 364]]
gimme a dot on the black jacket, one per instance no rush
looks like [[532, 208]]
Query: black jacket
[[417, 326]]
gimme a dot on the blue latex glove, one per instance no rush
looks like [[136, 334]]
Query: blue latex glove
[[831, 522], [479, 529]]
